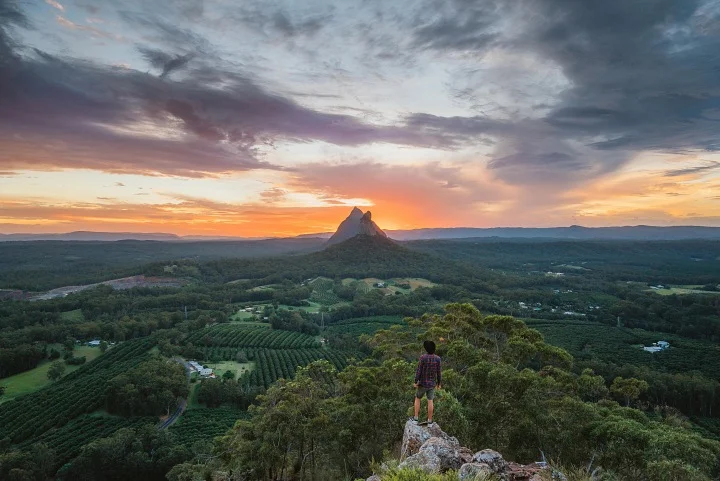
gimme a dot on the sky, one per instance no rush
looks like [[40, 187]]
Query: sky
[[274, 118]]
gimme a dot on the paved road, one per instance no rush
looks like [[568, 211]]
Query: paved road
[[183, 404]]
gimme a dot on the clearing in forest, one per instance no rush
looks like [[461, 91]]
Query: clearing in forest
[[36, 378]]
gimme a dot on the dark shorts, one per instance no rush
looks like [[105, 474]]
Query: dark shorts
[[425, 391]]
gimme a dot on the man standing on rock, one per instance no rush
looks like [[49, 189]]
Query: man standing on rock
[[427, 378]]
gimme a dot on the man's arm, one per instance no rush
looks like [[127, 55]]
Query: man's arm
[[418, 371], [439, 373]]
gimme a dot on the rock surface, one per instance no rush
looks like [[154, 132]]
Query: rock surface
[[471, 471], [492, 459], [436, 455], [415, 435], [432, 450], [357, 223]]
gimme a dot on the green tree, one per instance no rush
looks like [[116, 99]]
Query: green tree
[[628, 389], [103, 346], [69, 344], [2, 390], [56, 370], [228, 375], [152, 388], [144, 454]]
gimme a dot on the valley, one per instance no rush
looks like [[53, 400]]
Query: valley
[[199, 343]]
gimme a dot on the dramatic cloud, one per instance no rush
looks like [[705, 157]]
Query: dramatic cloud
[[700, 169], [438, 112]]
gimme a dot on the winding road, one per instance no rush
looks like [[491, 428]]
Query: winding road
[[183, 404]]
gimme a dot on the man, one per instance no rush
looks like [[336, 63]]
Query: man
[[427, 378]]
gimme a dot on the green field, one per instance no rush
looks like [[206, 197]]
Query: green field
[[241, 315], [204, 424], [239, 368], [72, 316], [682, 290], [588, 341], [34, 379], [363, 325]]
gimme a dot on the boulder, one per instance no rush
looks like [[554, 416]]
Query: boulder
[[492, 459], [471, 471], [427, 461], [374, 477], [466, 455], [414, 436]]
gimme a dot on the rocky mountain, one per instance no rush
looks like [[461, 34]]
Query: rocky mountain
[[357, 223], [431, 450]]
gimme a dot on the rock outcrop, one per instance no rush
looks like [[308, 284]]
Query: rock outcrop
[[357, 223], [431, 449]]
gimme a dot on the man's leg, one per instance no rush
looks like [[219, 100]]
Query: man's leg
[[417, 407], [431, 408]]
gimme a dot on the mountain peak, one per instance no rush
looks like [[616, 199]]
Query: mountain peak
[[357, 223]]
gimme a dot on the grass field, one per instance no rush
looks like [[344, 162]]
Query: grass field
[[34, 379], [72, 316], [238, 368], [681, 290], [241, 315]]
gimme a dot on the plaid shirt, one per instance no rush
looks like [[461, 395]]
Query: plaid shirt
[[428, 371]]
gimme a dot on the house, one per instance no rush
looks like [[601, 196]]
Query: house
[[195, 366], [94, 343], [206, 371], [380, 284], [657, 346]]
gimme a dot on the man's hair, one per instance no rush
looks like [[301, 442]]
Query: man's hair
[[429, 347]]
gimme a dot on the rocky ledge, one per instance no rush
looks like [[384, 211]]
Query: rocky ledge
[[430, 449]]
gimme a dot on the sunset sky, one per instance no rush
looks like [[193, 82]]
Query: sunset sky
[[272, 118]]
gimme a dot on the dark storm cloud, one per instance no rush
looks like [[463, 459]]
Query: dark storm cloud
[[642, 75], [164, 61], [700, 169]]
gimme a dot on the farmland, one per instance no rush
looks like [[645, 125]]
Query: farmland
[[591, 341], [29, 417], [238, 336], [36, 378], [204, 424]]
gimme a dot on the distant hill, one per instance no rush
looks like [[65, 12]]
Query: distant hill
[[357, 223], [640, 232], [91, 236]]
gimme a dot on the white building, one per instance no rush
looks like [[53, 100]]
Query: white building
[[206, 371], [94, 343], [663, 344], [652, 348]]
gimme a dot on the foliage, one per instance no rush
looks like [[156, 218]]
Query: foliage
[[238, 336], [56, 371], [77, 393], [204, 424], [152, 388], [67, 441], [628, 389], [140, 454]]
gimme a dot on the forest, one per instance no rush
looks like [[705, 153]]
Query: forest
[[531, 331]]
